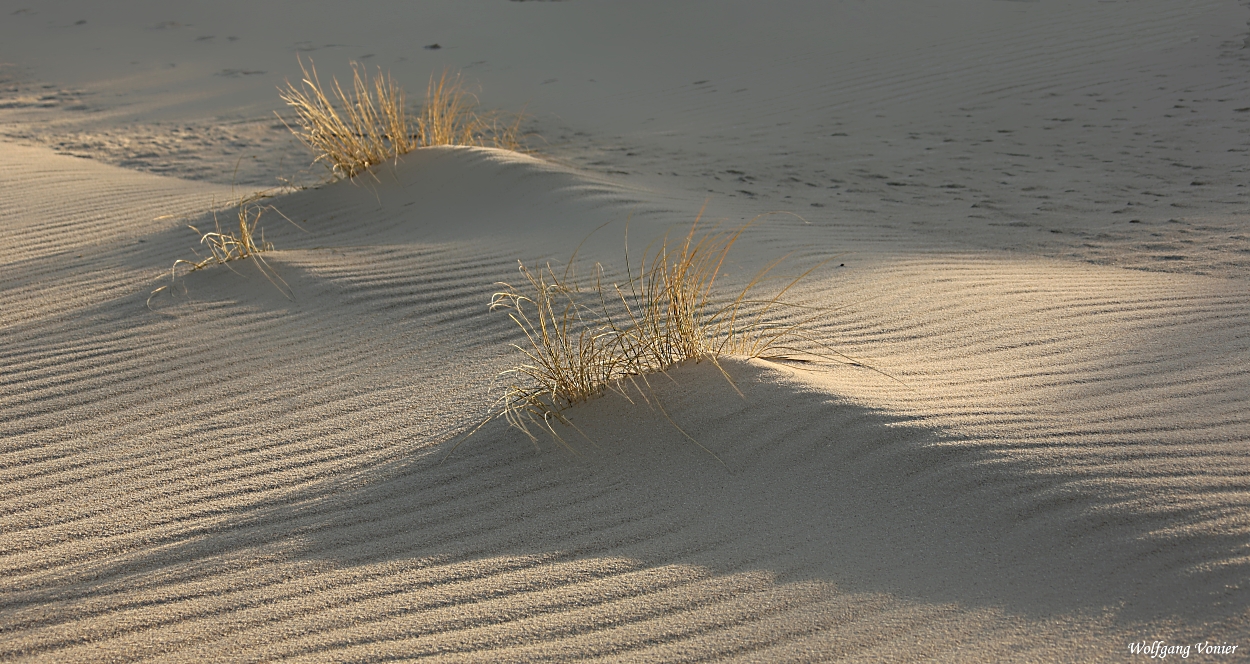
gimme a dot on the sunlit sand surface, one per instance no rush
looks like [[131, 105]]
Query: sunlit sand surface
[[1033, 217]]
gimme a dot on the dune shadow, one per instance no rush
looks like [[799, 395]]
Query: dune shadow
[[808, 487]]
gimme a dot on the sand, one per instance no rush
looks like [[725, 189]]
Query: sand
[[1034, 218]]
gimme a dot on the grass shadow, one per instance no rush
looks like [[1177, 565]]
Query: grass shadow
[[812, 489]]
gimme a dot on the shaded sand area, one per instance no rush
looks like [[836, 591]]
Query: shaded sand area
[[1036, 221]]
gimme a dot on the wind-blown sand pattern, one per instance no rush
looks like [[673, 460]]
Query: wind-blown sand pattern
[[1037, 223]]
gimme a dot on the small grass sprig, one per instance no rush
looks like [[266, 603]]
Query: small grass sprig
[[225, 247]]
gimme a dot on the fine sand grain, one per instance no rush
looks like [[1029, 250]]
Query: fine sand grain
[[1036, 219]]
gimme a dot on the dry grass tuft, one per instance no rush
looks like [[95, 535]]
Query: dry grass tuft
[[574, 352], [583, 342], [225, 247], [368, 126], [369, 123], [450, 117], [675, 315]]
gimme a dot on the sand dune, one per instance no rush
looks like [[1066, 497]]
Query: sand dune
[[1054, 467]]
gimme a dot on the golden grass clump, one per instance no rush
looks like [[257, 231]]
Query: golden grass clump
[[582, 342], [573, 351], [367, 127], [674, 316], [369, 123], [225, 247], [450, 117]]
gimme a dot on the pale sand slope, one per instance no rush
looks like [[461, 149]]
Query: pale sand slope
[[231, 475]]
